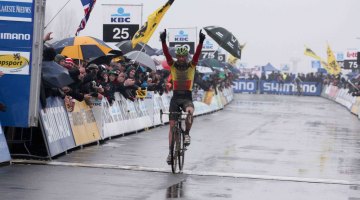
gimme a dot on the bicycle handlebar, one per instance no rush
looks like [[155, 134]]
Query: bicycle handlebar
[[168, 113]]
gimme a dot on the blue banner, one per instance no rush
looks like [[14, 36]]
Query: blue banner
[[245, 86], [4, 150], [16, 10], [15, 61], [304, 88], [15, 35]]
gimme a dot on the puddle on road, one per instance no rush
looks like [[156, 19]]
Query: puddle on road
[[175, 191]]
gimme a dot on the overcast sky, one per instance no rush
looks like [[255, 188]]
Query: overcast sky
[[275, 31]]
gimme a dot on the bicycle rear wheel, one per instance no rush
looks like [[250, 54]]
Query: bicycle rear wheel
[[181, 152], [173, 148]]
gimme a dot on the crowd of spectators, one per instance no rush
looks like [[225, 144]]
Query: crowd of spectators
[[102, 80]]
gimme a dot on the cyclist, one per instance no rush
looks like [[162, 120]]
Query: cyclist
[[182, 73]]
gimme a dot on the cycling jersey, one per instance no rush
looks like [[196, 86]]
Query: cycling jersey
[[182, 76]]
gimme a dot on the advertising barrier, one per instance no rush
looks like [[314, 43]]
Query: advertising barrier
[[274, 87], [345, 99], [355, 107], [306, 88], [4, 150], [249, 86], [83, 124], [56, 126], [65, 127]]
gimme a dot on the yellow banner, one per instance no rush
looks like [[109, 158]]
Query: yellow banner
[[333, 65], [145, 32], [83, 124], [356, 106], [208, 97]]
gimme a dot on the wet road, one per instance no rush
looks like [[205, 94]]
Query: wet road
[[258, 147]]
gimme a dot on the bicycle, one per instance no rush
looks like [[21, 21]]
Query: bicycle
[[177, 146]]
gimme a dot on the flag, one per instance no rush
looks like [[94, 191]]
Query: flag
[[310, 53], [333, 65], [232, 60], [144, 33], [88, 7]]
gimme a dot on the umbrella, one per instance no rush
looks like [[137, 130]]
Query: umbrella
[[141, 58], [81, 47], [353, 75], [212, 63], [165, 65], [102, 59], [126, 47], [55, 75], [225, 39], [204, 70], [227, 65], [172, 51]]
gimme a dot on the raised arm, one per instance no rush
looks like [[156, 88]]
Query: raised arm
[[196, 56], [165, 48]]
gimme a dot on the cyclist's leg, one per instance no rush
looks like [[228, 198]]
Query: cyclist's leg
[[189, 118], [189, 108]]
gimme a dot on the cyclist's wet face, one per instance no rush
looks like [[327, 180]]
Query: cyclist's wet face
[[181, 59]]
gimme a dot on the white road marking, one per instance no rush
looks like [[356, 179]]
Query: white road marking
[[189, 172]]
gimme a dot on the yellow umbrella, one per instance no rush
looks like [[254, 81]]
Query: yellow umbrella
[[81, 47]]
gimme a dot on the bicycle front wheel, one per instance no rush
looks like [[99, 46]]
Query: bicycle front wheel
[[173, 149], [181, 150]]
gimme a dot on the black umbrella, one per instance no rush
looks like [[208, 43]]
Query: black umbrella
[[102, 59], [55, 75], [225, 39], [126, 47]]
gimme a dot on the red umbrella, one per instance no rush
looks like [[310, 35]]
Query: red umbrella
[[165, 65]]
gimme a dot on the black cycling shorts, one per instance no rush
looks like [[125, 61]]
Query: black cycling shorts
[[179, 102]]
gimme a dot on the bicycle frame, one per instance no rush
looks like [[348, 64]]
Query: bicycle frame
[[177, 146]]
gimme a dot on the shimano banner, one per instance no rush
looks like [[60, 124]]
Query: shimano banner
[[304, 88], [245, 86]]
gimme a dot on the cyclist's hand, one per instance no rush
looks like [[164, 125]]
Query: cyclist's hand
[[163, 36], [202, 36]]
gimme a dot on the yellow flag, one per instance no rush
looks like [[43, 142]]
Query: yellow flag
[[232, 60], [333, 65], [324, 64], [310, 53], [144, 33]]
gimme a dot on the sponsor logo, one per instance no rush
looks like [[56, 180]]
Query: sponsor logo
[[208, 45], [277, 87], [15, 9], [244, 86], [120, 16], [181, 36], [13, 61], [340, 56], [15, 36]]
